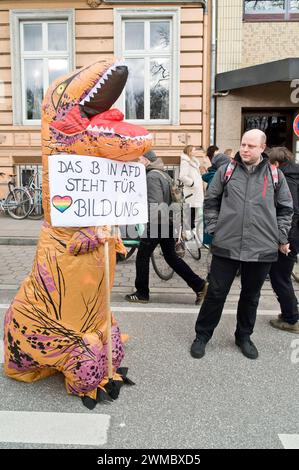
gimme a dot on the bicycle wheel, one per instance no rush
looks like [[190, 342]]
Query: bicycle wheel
[[295, 272], [162, 269], [130, 252], [192, 248], [36, 211], [208, 260], [18, 204]]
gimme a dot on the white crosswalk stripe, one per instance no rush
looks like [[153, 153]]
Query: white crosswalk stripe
[[289, 441], [54, 428], [183, 309]]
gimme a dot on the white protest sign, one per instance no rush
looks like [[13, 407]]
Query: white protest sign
[[87, 191]]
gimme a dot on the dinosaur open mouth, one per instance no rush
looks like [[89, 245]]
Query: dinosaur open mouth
[[93, 114], [111, 123], [106, 91]]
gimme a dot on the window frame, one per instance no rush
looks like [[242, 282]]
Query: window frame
[[17, 19], [145, 14], [286, 15]]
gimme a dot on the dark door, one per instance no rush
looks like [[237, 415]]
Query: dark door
[[277, 125]]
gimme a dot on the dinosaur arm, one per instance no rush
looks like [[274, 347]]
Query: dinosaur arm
[[85, 240]]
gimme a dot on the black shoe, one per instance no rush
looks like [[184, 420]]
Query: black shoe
[[137, 297], [248, 348], [198, 348]]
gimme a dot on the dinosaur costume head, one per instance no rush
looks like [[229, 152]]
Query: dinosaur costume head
[[77, 119]]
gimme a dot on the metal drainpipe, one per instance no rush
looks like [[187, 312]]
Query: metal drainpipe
[[213, 7]]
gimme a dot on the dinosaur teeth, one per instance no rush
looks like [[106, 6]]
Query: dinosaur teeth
[[102, 81], [106, 130]]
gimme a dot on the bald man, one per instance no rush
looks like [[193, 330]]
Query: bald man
[[250, 220]]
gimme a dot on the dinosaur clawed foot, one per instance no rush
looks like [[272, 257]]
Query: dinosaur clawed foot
[[109, 391]]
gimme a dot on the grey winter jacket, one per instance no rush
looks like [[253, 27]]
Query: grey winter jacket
[[158, 193], [242, 214]]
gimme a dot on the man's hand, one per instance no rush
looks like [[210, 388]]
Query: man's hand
[[285, 249]]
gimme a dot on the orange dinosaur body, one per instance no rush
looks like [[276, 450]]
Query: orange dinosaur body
[[58, 319]]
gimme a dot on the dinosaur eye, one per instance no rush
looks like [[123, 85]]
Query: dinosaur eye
[[60, 89], [57, 94]]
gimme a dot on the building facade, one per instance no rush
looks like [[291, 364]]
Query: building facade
[[257, 68], [166, 46]]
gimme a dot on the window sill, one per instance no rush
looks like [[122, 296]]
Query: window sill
[[267, 18], [21, 127]]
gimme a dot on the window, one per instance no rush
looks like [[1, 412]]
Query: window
[[148, 44], [257, 10], [42, 53], [26, 172]]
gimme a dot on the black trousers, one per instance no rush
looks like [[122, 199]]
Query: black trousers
[[222, 275], [146, 247], [280, 276]]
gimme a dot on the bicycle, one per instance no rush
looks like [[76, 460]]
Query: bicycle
[[295, 272], [18, 202], [36, 211], [132, 240]]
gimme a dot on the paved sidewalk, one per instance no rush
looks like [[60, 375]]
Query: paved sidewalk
[[16, 262], [18, 232]]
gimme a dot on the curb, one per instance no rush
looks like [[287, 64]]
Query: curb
[[16, 241]]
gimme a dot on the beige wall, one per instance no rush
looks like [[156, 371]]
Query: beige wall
[[229, 35], [229, 109], [94, 37], [269, 41], [242, 44]]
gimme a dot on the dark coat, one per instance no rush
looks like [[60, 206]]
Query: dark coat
[[291, 173]]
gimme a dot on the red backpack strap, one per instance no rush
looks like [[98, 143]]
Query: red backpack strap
[[274, 174], [229, 171]]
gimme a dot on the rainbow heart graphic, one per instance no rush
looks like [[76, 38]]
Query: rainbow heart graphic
[[62, 203]]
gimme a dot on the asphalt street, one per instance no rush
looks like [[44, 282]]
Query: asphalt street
[[221, 401]]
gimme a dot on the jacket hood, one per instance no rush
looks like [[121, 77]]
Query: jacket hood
[[219, 160], [291, 170], [156, 165]]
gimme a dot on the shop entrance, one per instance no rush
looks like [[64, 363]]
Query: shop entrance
[[277, 125]]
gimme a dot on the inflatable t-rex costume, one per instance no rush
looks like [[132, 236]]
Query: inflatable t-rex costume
[[57, 321]]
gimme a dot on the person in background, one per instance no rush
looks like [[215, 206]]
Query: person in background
[[218, 160], [159, 194], [280, 273], [229, 153], [190, 176], [212, 151]]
